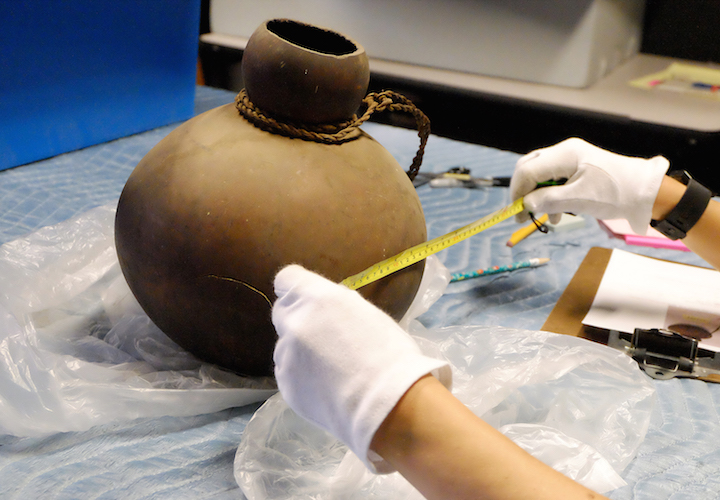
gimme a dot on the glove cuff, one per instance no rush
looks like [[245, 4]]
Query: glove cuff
[[639, 218], [382, 398]]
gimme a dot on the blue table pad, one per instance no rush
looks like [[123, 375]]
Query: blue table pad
[[192, 457]]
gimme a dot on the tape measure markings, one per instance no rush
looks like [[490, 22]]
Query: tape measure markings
[[419, 252]]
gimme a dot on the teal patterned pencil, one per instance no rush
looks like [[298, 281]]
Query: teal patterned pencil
[[499, 269]]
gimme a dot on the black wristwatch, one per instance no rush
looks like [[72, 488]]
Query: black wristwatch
[[688, 210]]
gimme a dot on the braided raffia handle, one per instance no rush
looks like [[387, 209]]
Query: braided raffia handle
[[342, 132]]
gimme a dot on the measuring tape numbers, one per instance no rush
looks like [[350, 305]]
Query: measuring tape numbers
[[423, 250]]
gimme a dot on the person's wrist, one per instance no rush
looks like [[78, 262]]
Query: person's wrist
[[669, 195], [396, 437], [687, 211]]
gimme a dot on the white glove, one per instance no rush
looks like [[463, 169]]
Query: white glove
[[599, 183], [341, 362]]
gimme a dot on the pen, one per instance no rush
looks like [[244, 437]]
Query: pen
[[499, 269], [451, 181], [526, 231], [705, 86], [458, 177]]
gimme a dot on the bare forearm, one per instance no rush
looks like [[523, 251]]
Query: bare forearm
[[447, 452], [704, 237]]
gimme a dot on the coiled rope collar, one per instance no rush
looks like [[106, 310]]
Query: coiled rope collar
[[345, 131]]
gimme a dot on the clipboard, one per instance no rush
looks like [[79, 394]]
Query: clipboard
[[575, 302]]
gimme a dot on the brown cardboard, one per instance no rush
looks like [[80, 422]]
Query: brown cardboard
[[567, 315]]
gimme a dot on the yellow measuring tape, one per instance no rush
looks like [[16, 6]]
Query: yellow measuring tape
[[423, 250]]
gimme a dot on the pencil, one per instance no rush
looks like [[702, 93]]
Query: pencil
[[526, 231], [499, 269]]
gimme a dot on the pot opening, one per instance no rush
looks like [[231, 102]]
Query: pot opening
[[311, 37]]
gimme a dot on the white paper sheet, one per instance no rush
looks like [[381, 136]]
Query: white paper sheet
[[641, 292]]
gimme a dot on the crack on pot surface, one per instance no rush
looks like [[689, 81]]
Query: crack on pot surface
[[240, 282]]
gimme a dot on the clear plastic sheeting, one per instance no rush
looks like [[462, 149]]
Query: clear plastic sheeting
[[77, 350], [581, 407]]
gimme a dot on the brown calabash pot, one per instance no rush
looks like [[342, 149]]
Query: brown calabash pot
[[211, 213]]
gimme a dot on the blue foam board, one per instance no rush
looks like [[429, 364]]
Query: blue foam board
[[74, 73]]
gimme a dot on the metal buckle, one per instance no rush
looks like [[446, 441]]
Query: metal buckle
[[664, 354]]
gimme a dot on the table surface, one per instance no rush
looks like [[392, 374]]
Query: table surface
[[192, 457]]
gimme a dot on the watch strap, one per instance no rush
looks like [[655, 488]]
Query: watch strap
[[686, 213]]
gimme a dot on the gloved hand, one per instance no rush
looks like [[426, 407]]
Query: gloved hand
[[341, 362], [599, 183]]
